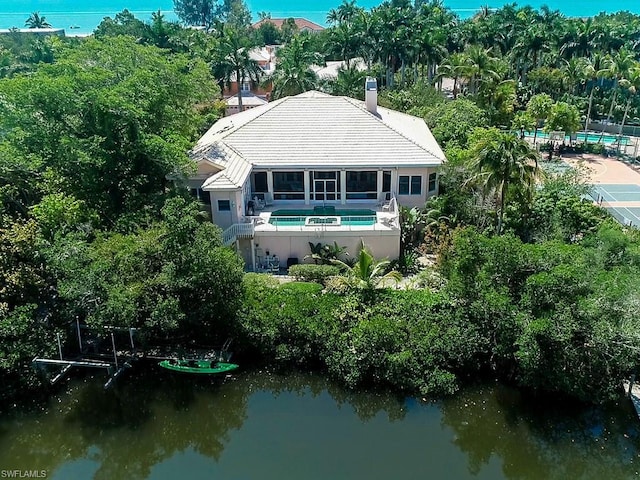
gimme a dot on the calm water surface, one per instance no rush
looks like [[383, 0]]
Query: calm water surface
[[265, 426], [85, 16]]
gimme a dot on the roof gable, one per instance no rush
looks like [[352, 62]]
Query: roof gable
[[316, 130]]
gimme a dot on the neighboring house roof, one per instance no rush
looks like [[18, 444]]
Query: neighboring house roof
[[315, 130], [260, 54], [330, 70], [301, 23], [248, 100]]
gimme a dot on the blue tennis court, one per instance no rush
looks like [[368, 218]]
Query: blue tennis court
[[610, 196]]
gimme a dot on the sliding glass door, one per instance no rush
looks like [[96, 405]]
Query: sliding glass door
[[326, 187]]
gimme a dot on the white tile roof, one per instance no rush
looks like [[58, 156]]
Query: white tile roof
[[315, 130], [332, 67], [248, 99]]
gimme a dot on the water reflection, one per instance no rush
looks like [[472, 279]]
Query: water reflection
[[538, 437], [126, 430], [260, 424]]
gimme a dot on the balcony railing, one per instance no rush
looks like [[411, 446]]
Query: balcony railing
[[236, 231], [330, 223]]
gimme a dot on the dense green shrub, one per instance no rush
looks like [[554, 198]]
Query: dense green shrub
[[313, 273], [287, 324]]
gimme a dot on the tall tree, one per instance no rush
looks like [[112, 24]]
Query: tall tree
[[234, 13], [196, 12], [109, 121], [36, 21], [632, 84], [234, 62], [293, 75], [592, 66], [539, 107], [502, 161], [616, 68], [455, 66]]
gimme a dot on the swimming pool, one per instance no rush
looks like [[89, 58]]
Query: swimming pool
[[323, 216], [591, 137]]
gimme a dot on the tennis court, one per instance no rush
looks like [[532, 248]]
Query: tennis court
[[620, 200]]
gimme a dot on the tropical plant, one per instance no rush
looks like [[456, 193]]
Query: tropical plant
[[233, 61], [325, 254], [632, 84], [592, 66], [350, 83], [455, 66], [293, 74], [367, 273], [502, 161], [36, 21], [538, 108], [616, 68], [196, 12], [523, 122]]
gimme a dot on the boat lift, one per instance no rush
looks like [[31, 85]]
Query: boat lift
[[116, 361]]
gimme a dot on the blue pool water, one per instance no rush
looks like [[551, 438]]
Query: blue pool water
[[87, 15], [295, 218], [591, 137]]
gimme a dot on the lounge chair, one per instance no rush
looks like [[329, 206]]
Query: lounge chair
[[274, 263], [258, 203], [384, 201]]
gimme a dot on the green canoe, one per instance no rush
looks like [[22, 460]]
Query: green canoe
[[198, 366]]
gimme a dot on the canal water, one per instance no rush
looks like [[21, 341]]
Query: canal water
[[259, 425]]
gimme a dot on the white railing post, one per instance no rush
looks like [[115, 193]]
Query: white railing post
[[231, 234]]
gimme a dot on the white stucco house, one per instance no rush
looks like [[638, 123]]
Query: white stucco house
[[314, 168]]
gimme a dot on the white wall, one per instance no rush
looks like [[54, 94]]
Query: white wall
[[414, 200], [224, 219], [383, 244]]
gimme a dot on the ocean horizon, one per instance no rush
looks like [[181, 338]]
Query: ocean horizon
[[85, 18]]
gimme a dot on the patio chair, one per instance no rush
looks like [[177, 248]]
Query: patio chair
[[258, 203], [275, 264], [384, 201]]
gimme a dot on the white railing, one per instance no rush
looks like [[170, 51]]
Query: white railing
[[237, 230], [393, 207], [358, 223]]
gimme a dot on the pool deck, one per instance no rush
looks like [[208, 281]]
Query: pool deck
[[385, 221]]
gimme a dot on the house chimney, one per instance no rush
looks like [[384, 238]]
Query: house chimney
[[371, 95]]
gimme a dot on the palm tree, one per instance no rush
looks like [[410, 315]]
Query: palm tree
[[530, 47], [539, 107], [36, 21], [366, 25], [574, 75], [590, 71], [632, 84], [293, 74], [455, 66], [343, 42], [234, 62], [580, 39], [367, 273], [503, 161], [482, 66], [616, 68], [349, 83], [346, 12], [431, 48]]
